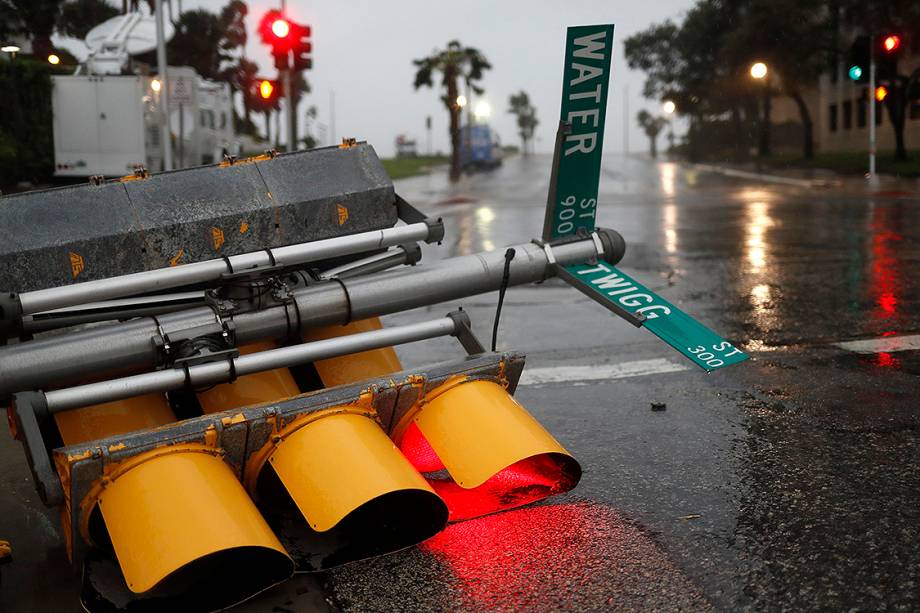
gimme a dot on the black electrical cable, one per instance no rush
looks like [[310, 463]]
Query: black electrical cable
[[509, 255]]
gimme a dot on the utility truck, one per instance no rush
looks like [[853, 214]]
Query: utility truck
[[106, 116]]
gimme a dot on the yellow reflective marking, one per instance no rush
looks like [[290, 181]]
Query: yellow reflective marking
[[76, 264], [217, 238]]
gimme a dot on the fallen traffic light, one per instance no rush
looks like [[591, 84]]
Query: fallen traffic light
[[355, 495], [481, 451], [176, 518], [331, 482]]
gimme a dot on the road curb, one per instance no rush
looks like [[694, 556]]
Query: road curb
[[743, 174]]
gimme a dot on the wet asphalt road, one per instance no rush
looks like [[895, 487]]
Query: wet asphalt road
[[791, 481]]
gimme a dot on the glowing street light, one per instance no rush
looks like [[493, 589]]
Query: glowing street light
[[669, 107], [54, 60], [155, 85], [10, 49], [758, 70], [483, 110], [461, 101]]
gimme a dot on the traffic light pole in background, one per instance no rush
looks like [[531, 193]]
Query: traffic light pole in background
[[287, 79], [291, 49], [164, 88], [872, 176]]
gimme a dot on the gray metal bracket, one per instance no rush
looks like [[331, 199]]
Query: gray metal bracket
[[29, 410], [410, 214]]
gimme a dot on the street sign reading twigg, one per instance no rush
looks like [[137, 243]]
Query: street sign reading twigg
[[573, 194], [605, 284]]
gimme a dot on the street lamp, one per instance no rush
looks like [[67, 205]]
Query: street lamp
[[483, 110], [155, 85], [461, 101], [11, 49], [759, 72], [53, 59], [669, 107]]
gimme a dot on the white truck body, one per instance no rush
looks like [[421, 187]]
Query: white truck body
[[98, 125], [109, 124]]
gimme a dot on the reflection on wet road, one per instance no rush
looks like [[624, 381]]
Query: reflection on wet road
[[791, 481]]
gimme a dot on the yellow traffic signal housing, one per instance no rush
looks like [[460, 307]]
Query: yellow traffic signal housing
[[357, 366], [359, 496], [336, 468], [495, 454], [176, 517]]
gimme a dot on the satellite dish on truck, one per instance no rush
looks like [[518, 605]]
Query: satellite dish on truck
[[112, 42]]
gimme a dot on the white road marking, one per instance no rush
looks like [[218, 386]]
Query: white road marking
[[886, 344], [599, 372]]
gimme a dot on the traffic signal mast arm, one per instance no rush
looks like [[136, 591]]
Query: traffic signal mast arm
[[127, 347]]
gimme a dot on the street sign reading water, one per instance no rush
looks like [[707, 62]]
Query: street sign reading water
[[572, 205], [580, 142]]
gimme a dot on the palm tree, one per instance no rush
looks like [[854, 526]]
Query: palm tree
[[454, 63], [652, 126], [526, 117]]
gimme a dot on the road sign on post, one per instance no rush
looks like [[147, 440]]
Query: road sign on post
[[572, 206], [580, 140]]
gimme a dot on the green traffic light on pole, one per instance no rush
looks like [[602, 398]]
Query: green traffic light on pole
[[855, 73]]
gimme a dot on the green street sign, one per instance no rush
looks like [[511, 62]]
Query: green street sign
[[577, 165], [620, 293]]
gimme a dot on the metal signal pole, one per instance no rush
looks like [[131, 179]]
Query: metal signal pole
[[164, 88], [872, 176], [288, 77]]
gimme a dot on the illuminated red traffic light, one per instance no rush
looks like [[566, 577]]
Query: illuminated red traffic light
[[881, 92], [281, 28], [266, 89], [891, 43]]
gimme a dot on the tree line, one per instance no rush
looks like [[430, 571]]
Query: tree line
[[701, 63]]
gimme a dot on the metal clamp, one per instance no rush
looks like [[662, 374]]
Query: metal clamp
[[207, 343], [410, 214], [464, 332]]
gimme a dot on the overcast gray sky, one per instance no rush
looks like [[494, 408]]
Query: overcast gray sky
[[363, 50]]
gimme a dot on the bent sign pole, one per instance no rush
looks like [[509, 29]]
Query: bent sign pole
[[572, 206]]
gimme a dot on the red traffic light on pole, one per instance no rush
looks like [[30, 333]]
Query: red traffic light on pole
[[281, 28], [275, 30], [891, 43], [302, 47]]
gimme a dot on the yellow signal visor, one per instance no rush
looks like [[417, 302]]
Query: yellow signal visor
[[111, 418], [496, 455], [357, 366], [360, 497], [182, 527], [251, 390]]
